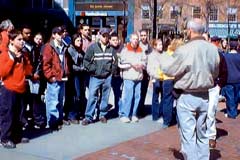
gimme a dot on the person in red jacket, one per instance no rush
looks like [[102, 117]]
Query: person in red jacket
[[56, 72], [16, 67]]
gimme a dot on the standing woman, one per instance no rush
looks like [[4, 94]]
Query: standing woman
[[38, 80], [78, 76], [153, 70], [14, 71]]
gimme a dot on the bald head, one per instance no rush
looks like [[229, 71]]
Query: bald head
[[196, 25]]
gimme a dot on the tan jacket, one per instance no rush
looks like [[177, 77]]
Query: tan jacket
[[194, 65], [129, 57]]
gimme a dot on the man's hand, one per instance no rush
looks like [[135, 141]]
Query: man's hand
[[36, 77], [138, 67]]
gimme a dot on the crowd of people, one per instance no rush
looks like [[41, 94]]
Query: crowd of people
[[67, 80]]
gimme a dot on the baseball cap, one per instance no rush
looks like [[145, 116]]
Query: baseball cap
[[215, 38], [57, 30], [104, 31]]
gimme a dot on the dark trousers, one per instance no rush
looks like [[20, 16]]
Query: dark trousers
[[144, 89], [167, 101], [37, 108], [157, 88], [165, 107], [79, 99], [117, 82], [11, 113]]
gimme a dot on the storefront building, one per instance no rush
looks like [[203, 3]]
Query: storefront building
[[99, 13], [222, 18]]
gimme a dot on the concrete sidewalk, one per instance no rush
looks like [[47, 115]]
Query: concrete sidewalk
[[165, 145]]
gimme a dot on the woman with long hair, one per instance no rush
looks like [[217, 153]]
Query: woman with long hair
[[78, 78]]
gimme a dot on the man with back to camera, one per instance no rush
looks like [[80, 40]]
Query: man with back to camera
[[194, 66]]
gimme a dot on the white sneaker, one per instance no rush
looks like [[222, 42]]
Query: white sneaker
[[160, 120], [125, 119], [135, 119]]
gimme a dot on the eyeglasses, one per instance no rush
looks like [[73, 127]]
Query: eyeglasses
[[143, 35]]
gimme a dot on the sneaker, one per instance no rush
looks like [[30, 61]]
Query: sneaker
[[37, 126], [25, 140], [125, 119], [86, 122], [221, 98], [25, 126], [74, 121], [164, 126], [66, 122], [135, 119], [103, 120], [160, 120], [227, 116], [8, 144], [212, 143]]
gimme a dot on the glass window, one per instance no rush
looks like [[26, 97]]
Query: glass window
[[159, 11], [110, 21], [96, 21], [232, 14], [196, 12], [175, 11], [145, 11], [213, 16]]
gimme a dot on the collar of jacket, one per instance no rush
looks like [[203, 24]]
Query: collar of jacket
[[197, 38], [107, 46], [130, 48], [55, 47]]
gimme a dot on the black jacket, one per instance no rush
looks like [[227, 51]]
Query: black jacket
[[98, 63]]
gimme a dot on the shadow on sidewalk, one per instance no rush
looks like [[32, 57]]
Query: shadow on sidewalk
[[215, 154], [176, 153], [221, 133], [32, 133]]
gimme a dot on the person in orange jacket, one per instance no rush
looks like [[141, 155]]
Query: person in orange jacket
[[16, 68]]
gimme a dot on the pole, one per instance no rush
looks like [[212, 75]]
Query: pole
[[124, 21], [228, 38], [154, 19]]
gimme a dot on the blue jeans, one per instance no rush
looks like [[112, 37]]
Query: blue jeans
[[131, 94], [167, 101], [157, 88], [94, 85], [231, 93], [55, 96]]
